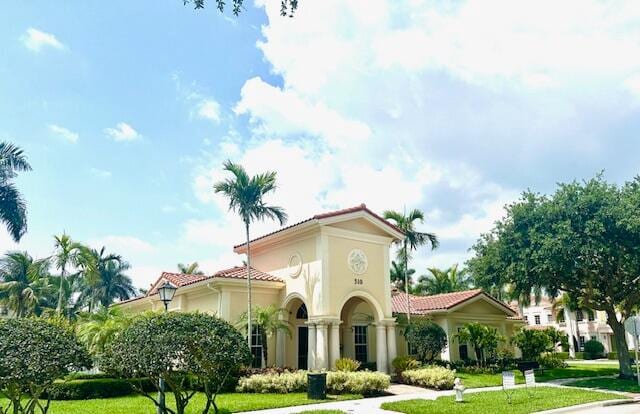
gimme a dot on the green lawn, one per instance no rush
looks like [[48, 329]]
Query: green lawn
[[574, 370], [495, 402], [613, 384], [322, 412], [232, 402]]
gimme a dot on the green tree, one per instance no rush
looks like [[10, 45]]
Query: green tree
[[98, 329], [398, 277], [65, 255], [104, 278], [170, 345], [24, 288], [443, 281], [531, 342], [411, 241], [269, 321], [583, 240], [426, 338], [287, 7], [190, 269], [34, 354], [13, 209], [484, 339], [246, 197]]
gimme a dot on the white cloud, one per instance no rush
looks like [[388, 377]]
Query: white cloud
[[122, 132], [36, 40], [100, 173], [124, 245], [209, 109], [64, 133]]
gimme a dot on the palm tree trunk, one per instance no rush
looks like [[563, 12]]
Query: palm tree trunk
[[246, 224], [60, 291], [572, 347], [406, 281]]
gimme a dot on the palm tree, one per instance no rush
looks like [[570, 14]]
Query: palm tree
[[66, 254], [13, 209], [397, 276], [246, 197], [483, 338], [268, 320], [104, 278], [567, 305], [190, 269], [24, 287], [443, 281], [96, 330], [412, 240]]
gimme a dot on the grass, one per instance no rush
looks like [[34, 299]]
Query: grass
[[322, 412], [233, 402], [495, 402], [613, 384], [574, 370]]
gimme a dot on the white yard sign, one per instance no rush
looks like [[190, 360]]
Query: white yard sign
[[530, 378], [508, 383]]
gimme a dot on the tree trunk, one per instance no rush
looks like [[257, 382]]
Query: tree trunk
[[406, 281], [265, 352], [249, 331], [567, 320], [620, 336], [60, 291]]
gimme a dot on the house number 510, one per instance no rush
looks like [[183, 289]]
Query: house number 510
[[357, 281]]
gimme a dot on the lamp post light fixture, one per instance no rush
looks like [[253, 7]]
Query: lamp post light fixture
[[166, 293]]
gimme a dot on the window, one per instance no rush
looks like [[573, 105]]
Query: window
[[302, 312], [256, 346], [360, 341], [561, 317], [550, 317], [579, 315], [526, 319], [591, 316], [581, 342], [593, 337], [537, 319]]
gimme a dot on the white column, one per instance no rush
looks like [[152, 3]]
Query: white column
[[322, 346], [334, 352], [311, 347], [391, 344], [446, 353], [381, 348], [281, 339]]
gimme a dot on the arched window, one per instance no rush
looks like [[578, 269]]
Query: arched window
[[302, 312]]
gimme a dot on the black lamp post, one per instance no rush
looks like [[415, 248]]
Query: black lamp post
[[166, 293]]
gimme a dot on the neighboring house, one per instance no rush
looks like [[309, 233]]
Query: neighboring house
[[330, 274]]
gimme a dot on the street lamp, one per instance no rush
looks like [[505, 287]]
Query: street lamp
[[166, 293]]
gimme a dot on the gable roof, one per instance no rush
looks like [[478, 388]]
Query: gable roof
[[424, 305], [361, 208]]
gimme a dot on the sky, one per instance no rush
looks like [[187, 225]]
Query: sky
[[127, 111]]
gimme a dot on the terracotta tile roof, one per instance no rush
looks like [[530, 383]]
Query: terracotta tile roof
[[240, 272], [361, 207], [423, 305]]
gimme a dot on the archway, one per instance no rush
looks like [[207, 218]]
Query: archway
[[294, 348]]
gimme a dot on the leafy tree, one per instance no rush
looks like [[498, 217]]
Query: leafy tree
[[246, 197], [412, 240], [483, 338], [583, 240], [172, 345], [190, 269], [532, 342], [34, 354], [443, 281], [268, 320], [104, 278], [13, 209], [98, 329], [287, 7], [24, 288], [65, 255], [398, 277], [427, 339]]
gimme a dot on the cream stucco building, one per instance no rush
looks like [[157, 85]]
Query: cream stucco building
[[330, 273]]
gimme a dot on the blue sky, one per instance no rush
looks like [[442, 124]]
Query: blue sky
[[127, 110]]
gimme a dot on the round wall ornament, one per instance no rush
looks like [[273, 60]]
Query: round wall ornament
[[295, 265], [357, 261]]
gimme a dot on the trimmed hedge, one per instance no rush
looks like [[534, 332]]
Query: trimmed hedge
[[612, 355], [86, 389], [430, 377]]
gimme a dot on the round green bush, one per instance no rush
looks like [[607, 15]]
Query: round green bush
[[593, 349]]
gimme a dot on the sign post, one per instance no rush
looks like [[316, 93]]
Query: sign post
[[632, 325]]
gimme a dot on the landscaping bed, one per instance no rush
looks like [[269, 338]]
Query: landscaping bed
[[495, 402]]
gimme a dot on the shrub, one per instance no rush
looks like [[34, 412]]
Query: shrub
[[612, 355], [563, 355], [531, 342], [436, 377], [347, 365], [593, 349], [483, 338], [362, 382], [427, 338], [550, 361], [86, 389], [282, 383], [34, 354], [579, 355], [403, 363]]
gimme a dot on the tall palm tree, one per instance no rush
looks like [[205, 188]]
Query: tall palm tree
[[104, 278], [397, 275], [24, 288], [411, 241], [443, 281], [567, 305], [66, 254], [190, 269], [269, 321], [13, 209], [246, 197]]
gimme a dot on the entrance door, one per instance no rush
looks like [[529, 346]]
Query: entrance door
[[303, 346]]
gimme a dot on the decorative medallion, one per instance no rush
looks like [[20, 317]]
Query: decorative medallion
[[357, 261], [295, 265]]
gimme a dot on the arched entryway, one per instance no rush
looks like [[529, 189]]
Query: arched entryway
[[293, 350]]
